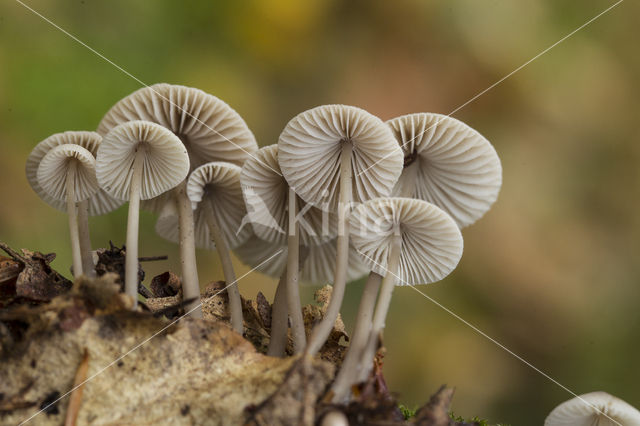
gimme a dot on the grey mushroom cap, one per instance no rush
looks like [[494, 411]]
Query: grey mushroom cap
[[209, 128], [318, 267], [594, 408], [101, 202], [310, 148], [431, 240], [166, 162], [447, 163], [218, 183], [266, 191], [53, 169]]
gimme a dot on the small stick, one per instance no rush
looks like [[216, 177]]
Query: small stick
[[152, 258], [75, 400]]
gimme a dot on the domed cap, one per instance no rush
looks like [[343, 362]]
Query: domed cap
[[318, 267], [266, 192], [101, 202], [431, 240], [447, 163], [210, 129], [595, 408], [166, 162], [218, 183], [265, 257], [310, 148], [53, 169]]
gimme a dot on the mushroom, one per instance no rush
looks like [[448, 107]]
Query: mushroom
[[274, 207], [98, 204], [214, 189], [141, 160], [210, 130], [331, 156], [595, 408], [67, 173], [407, 242], [447, 163]]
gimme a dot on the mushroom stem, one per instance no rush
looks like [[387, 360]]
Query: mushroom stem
[[133, 219], [382, 307], [72, 213], [85, 239], [293, 262], [190, 282], [323, 329], [235, 303], [279, 320], [348, 373]]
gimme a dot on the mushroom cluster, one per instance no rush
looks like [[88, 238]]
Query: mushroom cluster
[[342, 194]]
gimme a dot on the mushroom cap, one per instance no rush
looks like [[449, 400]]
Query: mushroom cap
[[101, 202], [320, 265], [587, 409], [209, 128], [431, 240], [266, 193], [219, 182], [165, 165], [318, 268], [455, 167], [310, 148], [52, 172]]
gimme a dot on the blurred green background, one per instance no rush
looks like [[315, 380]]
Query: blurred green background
[[552, 271]]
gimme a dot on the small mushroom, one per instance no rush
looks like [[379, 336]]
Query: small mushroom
[[331, 156], [140, 160], [98, 204], [67, 172], [595, 408], [214, 189], [210, 130], [447, 163], [407, 242], [273, 208]]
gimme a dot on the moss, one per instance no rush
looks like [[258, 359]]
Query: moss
[[407, 412]]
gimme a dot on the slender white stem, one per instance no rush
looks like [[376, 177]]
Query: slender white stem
[[235, 302], [382, 307], [131, 255], [73, 219], [279, 320], [85, 239], [293, 293], [322, 330], [187, 243], [347, 376]]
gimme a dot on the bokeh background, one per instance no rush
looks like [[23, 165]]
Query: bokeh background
[[552, 271]]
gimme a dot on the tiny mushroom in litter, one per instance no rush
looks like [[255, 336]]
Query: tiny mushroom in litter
[[594, 408], [447, 163], [279, 217], [331, 156], [407, 242], [209, 129], [141, 160], [67, 172], [98, 204], [215, 191]]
